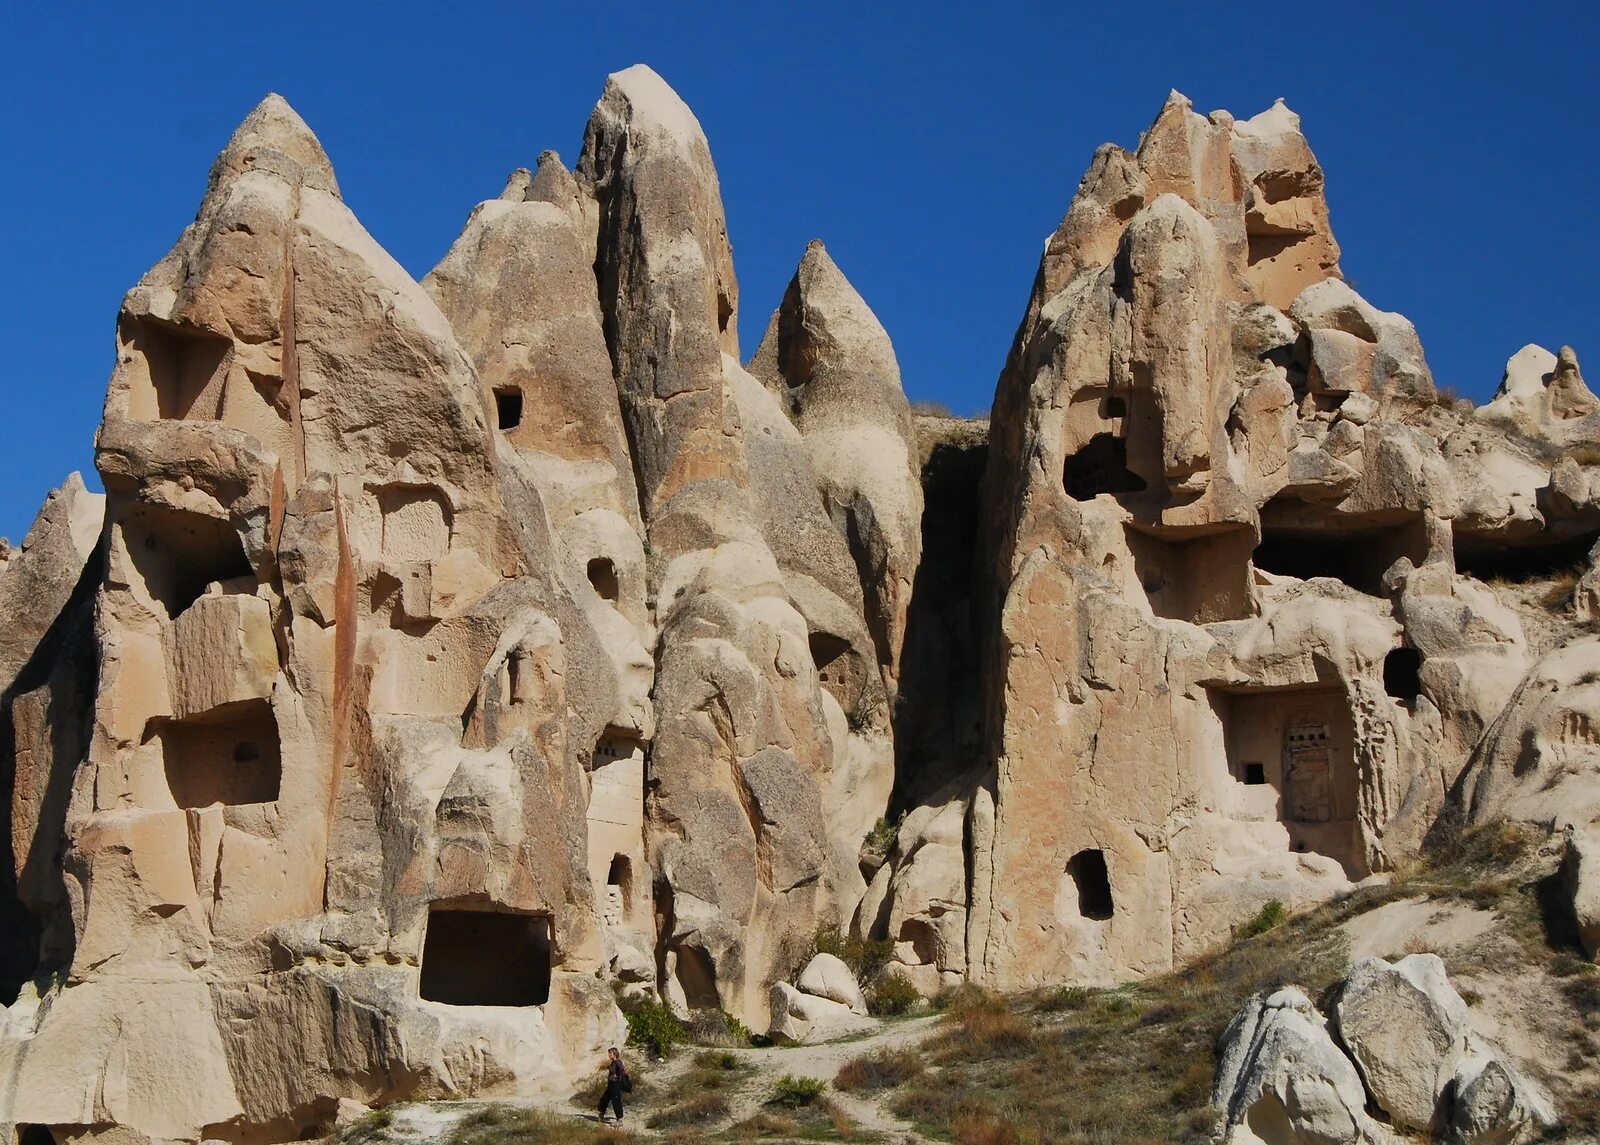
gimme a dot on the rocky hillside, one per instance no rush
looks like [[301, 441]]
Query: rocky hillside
[[448, 662]]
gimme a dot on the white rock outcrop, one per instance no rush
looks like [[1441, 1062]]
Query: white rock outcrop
[[1282, 1079]]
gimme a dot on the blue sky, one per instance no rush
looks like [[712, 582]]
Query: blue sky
[[931, 147]]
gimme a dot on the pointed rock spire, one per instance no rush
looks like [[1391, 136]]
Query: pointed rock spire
[[273, 137], [831, 360]]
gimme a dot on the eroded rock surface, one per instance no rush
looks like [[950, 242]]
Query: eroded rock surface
[[446, 659]]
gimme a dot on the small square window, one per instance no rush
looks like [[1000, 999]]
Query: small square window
[[508, 408], [1255, 774]]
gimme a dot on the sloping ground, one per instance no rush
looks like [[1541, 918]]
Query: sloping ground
[[707, 1095], [1135, 1064], [1129, 1065]]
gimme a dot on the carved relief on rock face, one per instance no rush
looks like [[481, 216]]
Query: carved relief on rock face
[[1308, 770]]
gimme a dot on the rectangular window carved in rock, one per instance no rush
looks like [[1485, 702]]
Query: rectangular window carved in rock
[[486, 958], [180, 371], [508, 407], [1093, 881], [178, 554], [228, 755]]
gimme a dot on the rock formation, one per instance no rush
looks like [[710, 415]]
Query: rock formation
[[1399, 1041], [447, 660]]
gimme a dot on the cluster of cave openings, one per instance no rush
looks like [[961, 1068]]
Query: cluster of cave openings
[[1092, 880], [1489, 559], [486, 958], [178, 555], [1301, 743], [602, 572], [1358, 557], [508, 407], [229, 755], [184, 370]]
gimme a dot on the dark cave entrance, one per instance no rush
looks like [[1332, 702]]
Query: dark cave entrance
[[486, 958], [1093, 882], [1101, 466]]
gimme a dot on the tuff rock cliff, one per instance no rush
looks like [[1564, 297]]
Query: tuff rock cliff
[[446, 657]]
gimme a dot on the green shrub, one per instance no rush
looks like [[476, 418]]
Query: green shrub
[[866, 957], [891, 994], [1064, 999], [709, 1027], [880, 840], [654, 1027], [959, 999], [511, 1125], [1270, 915], [794, 1092], [708, 1060]]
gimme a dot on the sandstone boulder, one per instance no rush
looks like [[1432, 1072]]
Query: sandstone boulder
[[1406, 1028], [1580, 876], [801, 1017], [826, 976], [1282, 1080], [1494, 1104]]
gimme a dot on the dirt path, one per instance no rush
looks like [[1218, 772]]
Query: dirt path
[[767, 1065], [823, 1062]]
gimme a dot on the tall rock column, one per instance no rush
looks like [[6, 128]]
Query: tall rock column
[[742, 751]]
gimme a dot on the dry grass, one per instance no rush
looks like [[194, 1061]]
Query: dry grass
[[510, 1125], [702, 1109], [1134, 1064], [766, 1125], [884, 1069]]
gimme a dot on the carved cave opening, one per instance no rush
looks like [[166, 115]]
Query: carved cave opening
[[508, 407], [1101, 466], [486, 958], [697, 978], [1402, 674], [1200, 579], [616, 743], [619, 891], [1299, 741], [917, 943], [1089, 875], [1544, 557], [35, 1135], [602, 573], [839, 669], [1304, 544], [179, 370], [178, 555], [229, 755]]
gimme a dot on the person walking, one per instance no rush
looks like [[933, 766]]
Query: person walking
[[617, 1083]]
